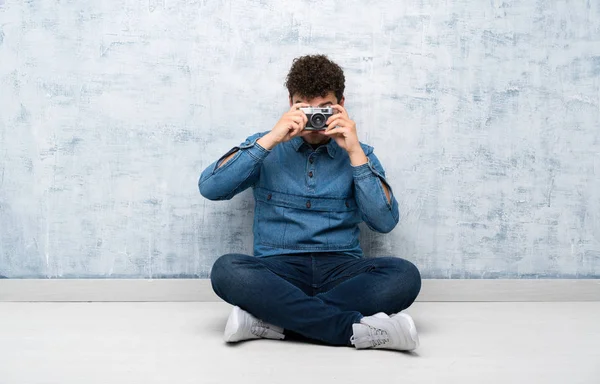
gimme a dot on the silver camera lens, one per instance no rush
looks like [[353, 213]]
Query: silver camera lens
[[318, 120]]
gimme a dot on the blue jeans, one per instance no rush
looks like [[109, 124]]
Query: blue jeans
[[317, 295]]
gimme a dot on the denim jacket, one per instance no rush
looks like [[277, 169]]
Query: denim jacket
[[305, 200]]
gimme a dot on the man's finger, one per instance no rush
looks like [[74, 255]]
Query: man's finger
[[296, 130], [297, 118], [335, 131], [296, 106], [335, 123], [301, 114], [334, 117], [300, 118], [340, 109]]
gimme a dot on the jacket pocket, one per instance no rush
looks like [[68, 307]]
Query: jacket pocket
[[307, 223]]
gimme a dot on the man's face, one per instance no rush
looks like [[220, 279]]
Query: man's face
[[316, 137]]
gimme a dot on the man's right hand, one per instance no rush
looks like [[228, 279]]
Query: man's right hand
[[289, 126]]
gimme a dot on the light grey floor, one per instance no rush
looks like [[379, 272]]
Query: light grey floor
[[181, 343]]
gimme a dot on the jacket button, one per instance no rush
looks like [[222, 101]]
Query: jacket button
[[310, 174], [347, 204], [308, 204], [269, 196]]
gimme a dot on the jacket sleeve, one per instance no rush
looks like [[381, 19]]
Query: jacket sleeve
[[379, 214], [237, 174]]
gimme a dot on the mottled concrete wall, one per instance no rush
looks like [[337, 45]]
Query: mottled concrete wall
[[485, 114]]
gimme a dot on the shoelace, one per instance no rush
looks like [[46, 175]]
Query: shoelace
[[379, 336], [258, 328], [376, 336], [261, 329]]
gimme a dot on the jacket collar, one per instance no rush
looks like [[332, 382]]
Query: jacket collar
[[298, 143]]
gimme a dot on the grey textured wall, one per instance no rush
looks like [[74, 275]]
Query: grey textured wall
[[485, 114]]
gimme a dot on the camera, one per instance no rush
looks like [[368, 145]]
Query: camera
[[317, 117]]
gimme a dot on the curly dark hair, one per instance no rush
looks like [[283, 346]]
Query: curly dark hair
[[315, 75]]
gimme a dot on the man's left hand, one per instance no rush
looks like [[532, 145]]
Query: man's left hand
[[343, 130]]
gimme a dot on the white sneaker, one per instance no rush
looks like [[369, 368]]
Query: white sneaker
[[381, 315], [243, 326], [397, 332]]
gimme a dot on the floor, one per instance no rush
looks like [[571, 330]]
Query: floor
[[181, 343]]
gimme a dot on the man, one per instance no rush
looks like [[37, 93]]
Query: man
[[308, 276]]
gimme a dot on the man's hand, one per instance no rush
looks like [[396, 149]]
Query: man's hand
[[289, 126], [343, 130]]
